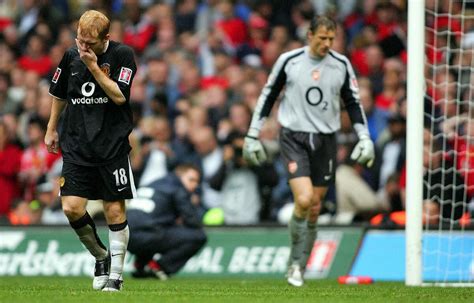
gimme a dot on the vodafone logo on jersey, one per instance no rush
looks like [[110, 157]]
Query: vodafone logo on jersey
[[87, 90]]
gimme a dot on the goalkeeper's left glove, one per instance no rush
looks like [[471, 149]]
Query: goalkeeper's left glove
[[253, 151], [363, 152]]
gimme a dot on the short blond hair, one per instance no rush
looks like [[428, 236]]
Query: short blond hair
[[95, 24]]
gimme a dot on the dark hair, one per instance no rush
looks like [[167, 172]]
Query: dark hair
[[36, 120], [184, 167], [322, 20]]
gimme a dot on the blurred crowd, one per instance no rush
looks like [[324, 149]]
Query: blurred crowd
[[201, 67]]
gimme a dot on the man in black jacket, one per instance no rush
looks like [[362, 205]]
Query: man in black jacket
[[164, 220]]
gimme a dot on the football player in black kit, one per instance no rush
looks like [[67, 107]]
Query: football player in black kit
[[92, 85]]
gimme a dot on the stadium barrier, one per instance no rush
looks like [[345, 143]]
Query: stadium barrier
[[239, 252], [382, 256]]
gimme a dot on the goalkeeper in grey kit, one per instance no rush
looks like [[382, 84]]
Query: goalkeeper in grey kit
[[315, 79]]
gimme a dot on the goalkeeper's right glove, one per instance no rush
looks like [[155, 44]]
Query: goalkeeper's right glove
[[253, 151]]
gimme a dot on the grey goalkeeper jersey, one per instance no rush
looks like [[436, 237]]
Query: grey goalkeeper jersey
[[311, 101]]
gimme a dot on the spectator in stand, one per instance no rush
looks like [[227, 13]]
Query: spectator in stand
[[47, 194], [35, 57], [7, 105], [280, 35], [155, 150], [10, 160], [231, 29], [241, 186], [445, 204], [185, 17], [258, 35], [354, 196], [211, 157], [392, 153], [239, 117], [27, 16], [391, 92], [156, 75], [376, 117], [36, 160], [215, 101], [8, 62], [301, 15], [190, 81], [198, 117], [374, 58], [139, 27], [250, 93], [460, 134]]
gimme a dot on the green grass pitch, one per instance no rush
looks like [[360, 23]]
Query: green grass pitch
[[196, 290]]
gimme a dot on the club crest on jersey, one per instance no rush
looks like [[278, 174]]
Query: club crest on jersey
[[125, 75], [315, 74], [105, 68], [56, 75]]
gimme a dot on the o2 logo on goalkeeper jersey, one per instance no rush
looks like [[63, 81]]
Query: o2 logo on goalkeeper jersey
[[314, 96]]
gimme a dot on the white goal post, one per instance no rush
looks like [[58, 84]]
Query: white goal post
[[415, 97], [440, 98]]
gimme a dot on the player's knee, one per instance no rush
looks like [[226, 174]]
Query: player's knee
[[73, 212], [114, 212], [303, 201]]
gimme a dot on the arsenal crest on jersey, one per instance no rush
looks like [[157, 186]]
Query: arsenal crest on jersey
[[315, 74]]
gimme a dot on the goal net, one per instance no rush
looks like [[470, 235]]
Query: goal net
[[447, 237]]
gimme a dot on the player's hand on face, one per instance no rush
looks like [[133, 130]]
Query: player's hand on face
[[51, 139], [86, 54], [363, 152], [253, 151]]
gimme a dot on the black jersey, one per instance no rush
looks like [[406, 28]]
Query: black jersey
[[94, 129]]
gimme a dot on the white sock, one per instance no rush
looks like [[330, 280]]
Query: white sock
[[118, 240]]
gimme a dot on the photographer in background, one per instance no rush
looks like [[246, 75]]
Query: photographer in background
[[242, 186], [164, 219]]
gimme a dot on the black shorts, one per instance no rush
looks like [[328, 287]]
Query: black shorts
[[309, 155], [111, 182]]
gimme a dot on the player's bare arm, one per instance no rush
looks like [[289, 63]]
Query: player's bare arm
[[109, 86], [51, 139]]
